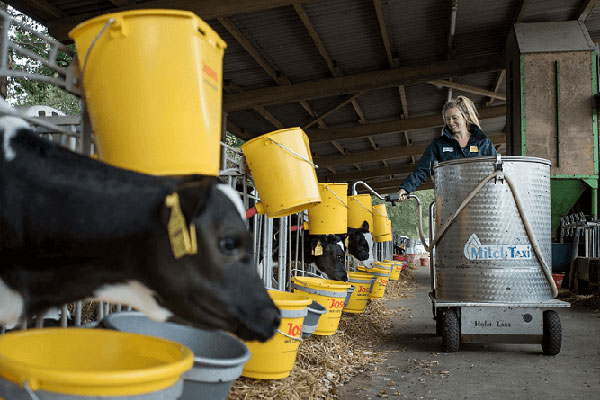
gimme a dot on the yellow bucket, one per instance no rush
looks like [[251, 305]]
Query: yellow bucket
[[362, 287], [388, 265], [92, 362], [396, 268], [283, 171], [275, 358], [360, 208], [329, 294], [382, 225], [331, 215], [381, 280], [153, 83]]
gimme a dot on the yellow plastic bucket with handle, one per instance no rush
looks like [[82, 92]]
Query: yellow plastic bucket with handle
[[283, 171], [396, 268], [360, 208], [382, 225], [394, 274], [92, 362], [275, 358], [330, 294], [331, 215], [381, 279], [153, 84], [362, 287]]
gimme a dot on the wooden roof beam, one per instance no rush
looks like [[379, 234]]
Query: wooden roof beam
[[586, 10], [206, 9], [386, 154], [334, 109], [122, 3], [331, 65], [277, 76], [468, 89], [497, 86], [429, 121], [263, 112], [364, 81], [366, 174], [384, 34]]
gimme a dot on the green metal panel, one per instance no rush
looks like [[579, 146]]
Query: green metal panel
[[522, 90], [565, 193]]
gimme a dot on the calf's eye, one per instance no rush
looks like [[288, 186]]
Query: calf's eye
[[229, 245]]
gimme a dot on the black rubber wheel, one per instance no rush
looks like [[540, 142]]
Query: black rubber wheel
[[450, 331], [552, 336]]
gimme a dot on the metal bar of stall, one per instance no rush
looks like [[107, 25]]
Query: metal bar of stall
[[282, 256]]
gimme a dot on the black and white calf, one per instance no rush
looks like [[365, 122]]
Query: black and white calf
[[360, 244], [73, 228], [327, 253]]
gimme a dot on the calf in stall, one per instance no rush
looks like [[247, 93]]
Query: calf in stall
[[73, 228], [359, 243]]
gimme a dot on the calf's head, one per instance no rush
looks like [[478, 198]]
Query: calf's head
[[360, 244], [331, 261], [218, 286]]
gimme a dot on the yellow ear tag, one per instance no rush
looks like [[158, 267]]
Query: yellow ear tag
[[346, 242], [182, 241], [318, 251], [474, 149]]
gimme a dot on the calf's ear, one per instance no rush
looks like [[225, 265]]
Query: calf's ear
[[365, 226], [193, 195]]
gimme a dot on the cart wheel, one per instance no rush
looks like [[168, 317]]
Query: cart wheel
[[552, 336], [450, 331]]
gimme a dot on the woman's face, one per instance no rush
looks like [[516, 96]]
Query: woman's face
[[455, 120]]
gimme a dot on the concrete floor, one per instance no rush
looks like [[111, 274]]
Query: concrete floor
[[416, 369]]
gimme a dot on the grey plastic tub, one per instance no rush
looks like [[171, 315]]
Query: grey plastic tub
[[315, 310], [218, 356], [348, 295]]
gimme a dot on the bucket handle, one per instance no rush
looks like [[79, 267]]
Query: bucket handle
[[29, 391], [363, 206], [336, 196], [294, 153], [382, 214], [290, 336], [89, 50]]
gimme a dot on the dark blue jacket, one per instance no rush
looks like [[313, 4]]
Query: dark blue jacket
[[446, 148]]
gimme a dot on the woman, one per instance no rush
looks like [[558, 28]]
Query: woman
[[461, 137]]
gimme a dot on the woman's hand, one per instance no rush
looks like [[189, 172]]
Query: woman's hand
[[402, 194]]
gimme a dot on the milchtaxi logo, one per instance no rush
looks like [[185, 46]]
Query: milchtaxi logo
[[474, 250]]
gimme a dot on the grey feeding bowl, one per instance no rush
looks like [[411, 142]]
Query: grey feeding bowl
[[315, 310], [218, 356]]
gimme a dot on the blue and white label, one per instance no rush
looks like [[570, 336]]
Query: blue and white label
[[474, 250], [447, 149]]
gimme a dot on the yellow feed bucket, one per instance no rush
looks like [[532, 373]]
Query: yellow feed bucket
[[394, 274], [360, 208], [283, 171], [329, 294], [92, 362], [275, 358], [396, 268], [382, 225], [362, 287], [153, 83], [381, 280], [331, 215]]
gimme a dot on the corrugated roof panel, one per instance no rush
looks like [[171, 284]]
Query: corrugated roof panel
[[350, 32], [238, 66], [289, 114], [551, 10], [342, 117], [418, 29], [381, 104], [281, 38], [251, 121]]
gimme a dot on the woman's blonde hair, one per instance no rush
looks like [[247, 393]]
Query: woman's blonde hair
[[466, 107]]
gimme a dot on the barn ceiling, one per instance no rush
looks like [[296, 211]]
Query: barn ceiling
[[365, 79]]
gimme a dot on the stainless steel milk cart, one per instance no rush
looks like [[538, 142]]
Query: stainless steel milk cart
[[490, 263]]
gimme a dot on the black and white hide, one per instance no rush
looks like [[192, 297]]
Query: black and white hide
[[73, 228], [360, 244]]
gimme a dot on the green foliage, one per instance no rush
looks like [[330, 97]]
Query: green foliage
[[404, 215], [24, 91]]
